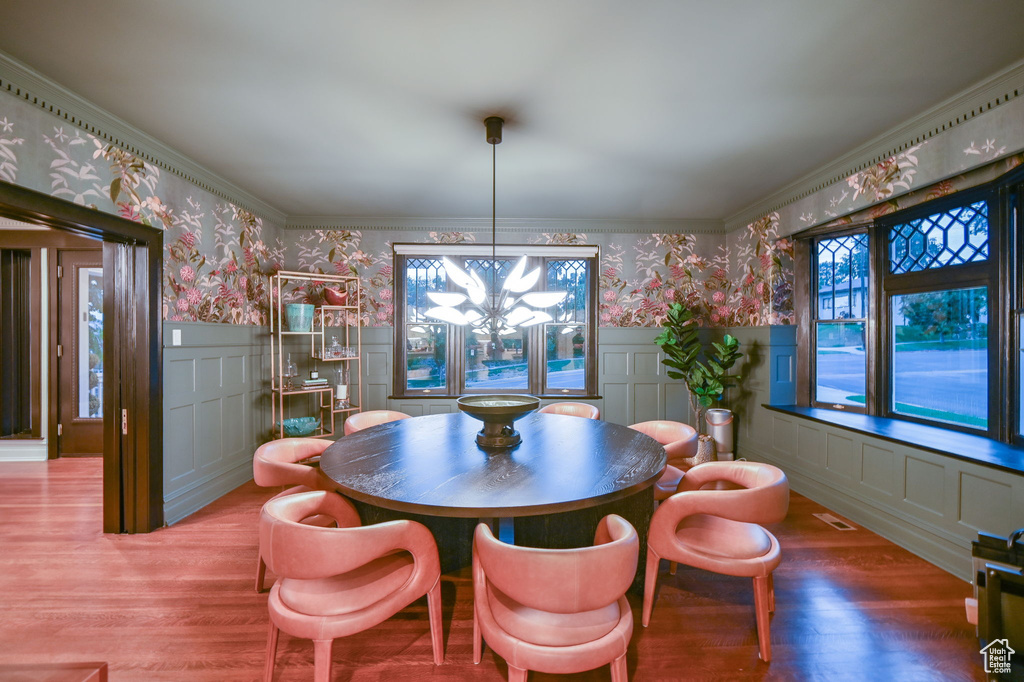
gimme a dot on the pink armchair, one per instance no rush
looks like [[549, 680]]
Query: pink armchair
[[680, 441], [555, 610], [275, 464], [364, 420], [573, 409], [339, 581], [718, 531]]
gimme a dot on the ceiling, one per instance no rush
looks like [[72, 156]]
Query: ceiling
[[644, 110]]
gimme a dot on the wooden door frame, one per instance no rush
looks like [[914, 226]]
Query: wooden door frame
[[133, 367]]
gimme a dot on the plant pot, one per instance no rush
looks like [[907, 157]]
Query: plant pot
[[299, 317], [720, 428]]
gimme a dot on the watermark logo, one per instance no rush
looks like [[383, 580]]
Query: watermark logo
[[997, 656]]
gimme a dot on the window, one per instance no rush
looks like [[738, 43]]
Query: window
[[435, 358], [918, 315], [937, 287], [840, 322]]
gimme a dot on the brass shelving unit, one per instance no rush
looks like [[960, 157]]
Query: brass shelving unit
[[329, 321]]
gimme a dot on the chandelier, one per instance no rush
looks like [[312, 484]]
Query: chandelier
[[496, 311]]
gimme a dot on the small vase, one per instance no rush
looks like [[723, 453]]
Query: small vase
[[705, 450], [299, 317]]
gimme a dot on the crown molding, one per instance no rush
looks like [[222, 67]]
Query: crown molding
[[997, 89], [531, 225], [9, 224], [25, 83]]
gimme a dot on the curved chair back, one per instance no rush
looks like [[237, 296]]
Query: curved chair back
[[274, 463], [679, 439], [364, 420], [763, 496], [573, 409], [336, 581], [562, 580]]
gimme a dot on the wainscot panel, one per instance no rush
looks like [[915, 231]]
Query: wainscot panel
[[929, 503], [216, 411]]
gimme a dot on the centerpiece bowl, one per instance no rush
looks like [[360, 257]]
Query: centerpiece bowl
[[498, 413]]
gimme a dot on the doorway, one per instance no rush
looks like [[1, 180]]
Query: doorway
[[77, 292], [132, 367]]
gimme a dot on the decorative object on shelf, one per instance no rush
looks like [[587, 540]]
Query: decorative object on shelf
[[494, 312], [498, 412], [335, 296], [719, 422], [705, 373], [299, 317], [289, 372], [332, 336], [297, 427], [341, 400]]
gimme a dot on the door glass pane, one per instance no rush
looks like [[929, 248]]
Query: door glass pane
[[940, 356], [90, 343], [425, 349], [565, 351], [496, 363], [840, 364]]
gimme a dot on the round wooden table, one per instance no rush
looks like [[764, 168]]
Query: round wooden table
[[565, 475]]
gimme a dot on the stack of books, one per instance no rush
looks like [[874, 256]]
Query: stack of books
[[314, 383]]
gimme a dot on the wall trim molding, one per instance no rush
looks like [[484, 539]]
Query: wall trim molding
[[25, 83], [980, 98], [188, 500], [528, 225], [28, 450]]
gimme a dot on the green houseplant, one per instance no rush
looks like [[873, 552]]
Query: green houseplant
[[705, 370]]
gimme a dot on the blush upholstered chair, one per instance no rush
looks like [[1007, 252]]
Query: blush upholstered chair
[[718, 530], [335, 582], [573, 410], [276, 464], [680, 441], [364, 420], [555, 610]]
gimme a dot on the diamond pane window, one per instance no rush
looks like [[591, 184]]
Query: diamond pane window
[[422, 275], [569, 276], [843, 277], [953, 237]]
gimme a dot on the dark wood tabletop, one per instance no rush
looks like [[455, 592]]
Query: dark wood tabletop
[[432, 465]]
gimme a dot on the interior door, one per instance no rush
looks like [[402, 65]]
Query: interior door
[[80, 353]]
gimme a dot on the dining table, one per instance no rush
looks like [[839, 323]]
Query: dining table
[[564, 476]]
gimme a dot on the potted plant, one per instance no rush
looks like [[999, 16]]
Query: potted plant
[[705, 370]]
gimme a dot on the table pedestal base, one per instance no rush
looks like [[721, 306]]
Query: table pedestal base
[[564, 530]]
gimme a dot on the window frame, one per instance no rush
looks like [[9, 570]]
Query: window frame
[[947, 277], [534, 337], [815, 321], [1002, 274]]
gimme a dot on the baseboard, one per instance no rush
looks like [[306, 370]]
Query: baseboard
[[194, 498], [33, 450]]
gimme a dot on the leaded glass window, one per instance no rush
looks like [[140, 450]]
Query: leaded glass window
[[953, 237]]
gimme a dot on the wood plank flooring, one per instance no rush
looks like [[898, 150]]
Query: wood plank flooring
[[178, 604]]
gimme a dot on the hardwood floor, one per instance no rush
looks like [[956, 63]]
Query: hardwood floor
[[178, 603]]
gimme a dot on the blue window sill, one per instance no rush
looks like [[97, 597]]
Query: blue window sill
[[963, 446]]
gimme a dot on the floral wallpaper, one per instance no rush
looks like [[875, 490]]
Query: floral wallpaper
[[965, 155], [215, 253], [640, 274], [218, 255]]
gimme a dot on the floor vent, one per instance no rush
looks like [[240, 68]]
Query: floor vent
[[836, 523]]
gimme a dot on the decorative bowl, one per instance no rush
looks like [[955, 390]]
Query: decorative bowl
[[335, 297], [296, 427], [498, 412]]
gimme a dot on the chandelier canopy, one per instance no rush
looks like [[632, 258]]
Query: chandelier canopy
[[496, 311]]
